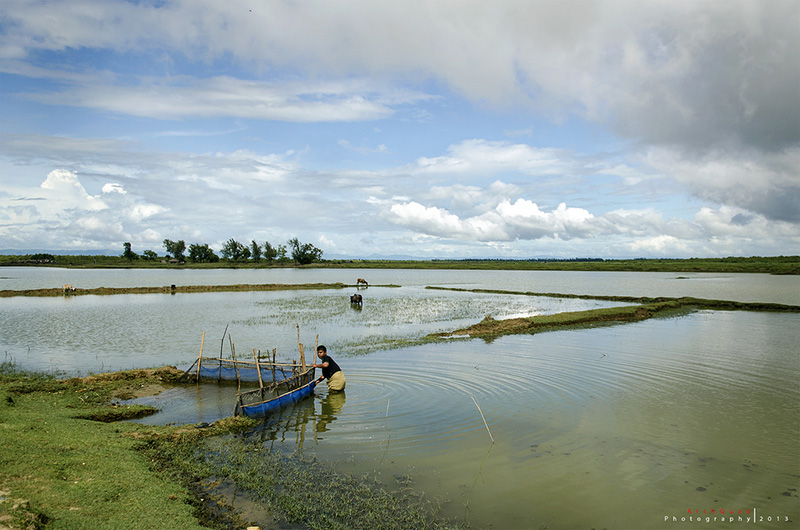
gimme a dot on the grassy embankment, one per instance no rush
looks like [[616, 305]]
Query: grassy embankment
[[645, 308], [754, 264], [66, 464], [168, 289]]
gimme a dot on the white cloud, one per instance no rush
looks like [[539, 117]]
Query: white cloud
[[63, 188], [179, 97], [687, 73], [112, 187], [509, 221], [482, 156]]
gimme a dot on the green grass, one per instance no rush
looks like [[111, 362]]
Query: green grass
[[753, 264], [61, 470]]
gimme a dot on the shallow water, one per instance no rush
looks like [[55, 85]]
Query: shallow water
[[723, 286], [604, 428], [610, 427]]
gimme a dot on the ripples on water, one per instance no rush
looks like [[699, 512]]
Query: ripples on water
[[610, 427], [613, 427]]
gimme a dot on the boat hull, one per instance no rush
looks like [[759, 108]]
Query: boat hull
[[263, 401], [264, 408]]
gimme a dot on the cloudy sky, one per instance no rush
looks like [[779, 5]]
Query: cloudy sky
[[452, 128]]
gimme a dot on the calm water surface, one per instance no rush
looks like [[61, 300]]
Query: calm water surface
[[614, 427], [739, 287]]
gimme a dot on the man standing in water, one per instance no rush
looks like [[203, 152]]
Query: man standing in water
[[330, 370]]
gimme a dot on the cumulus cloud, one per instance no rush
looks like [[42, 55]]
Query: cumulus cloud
[[113, 187], [63, 187], [509, 221]]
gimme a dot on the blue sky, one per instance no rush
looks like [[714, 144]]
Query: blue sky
[[508, 129]]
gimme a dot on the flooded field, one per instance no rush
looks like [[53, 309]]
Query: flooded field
[[617, 427]]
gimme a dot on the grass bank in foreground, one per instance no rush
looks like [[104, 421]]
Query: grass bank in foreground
[[67, 463], [647, 308]]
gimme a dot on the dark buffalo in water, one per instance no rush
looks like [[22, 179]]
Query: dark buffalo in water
[[356, 299]]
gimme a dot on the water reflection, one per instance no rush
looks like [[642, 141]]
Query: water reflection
[[331, 406]]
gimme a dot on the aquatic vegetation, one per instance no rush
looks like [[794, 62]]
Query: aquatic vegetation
[[391, 319], [296, 489]]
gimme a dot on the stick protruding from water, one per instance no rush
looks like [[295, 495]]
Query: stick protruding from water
[[483, 418]]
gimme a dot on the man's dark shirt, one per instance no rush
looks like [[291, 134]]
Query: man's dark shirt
[[332, 367]]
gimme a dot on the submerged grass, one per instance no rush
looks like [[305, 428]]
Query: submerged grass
[[303, 491]]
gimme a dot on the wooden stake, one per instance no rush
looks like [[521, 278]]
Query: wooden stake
[[258, 370], [302, 357], [221, 345], [235, 364], [200, 359]]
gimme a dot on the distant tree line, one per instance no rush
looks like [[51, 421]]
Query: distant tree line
[[232, 251]]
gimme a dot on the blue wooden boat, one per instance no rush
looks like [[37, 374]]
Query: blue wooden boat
[[262, 401]]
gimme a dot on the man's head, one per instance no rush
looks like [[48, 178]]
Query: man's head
[[321, 351]]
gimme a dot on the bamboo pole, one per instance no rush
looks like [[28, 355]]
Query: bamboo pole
[[316, 345], [273, 363], [200, 359], [258, 370], [484, 419], [301, 349], [235, 364], [221, 345]]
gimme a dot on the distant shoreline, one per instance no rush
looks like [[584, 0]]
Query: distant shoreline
[[764, 265]]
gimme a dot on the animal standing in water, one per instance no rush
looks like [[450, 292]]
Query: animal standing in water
[[362, 281], [356, 299]]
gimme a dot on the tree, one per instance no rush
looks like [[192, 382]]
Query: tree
[[303, 254], [176, 248], [202, 254], [270, 252], [255, 251], [232, 250], [129, 254], [149, 255]]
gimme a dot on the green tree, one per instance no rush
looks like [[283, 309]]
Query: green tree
[[202, 254], [149, 255], [176, 248], [270, 252], [129, 254], [44, 258], [255, 251], [303, 254], [232, 250]]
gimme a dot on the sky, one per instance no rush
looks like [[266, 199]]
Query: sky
[[414, 128]]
